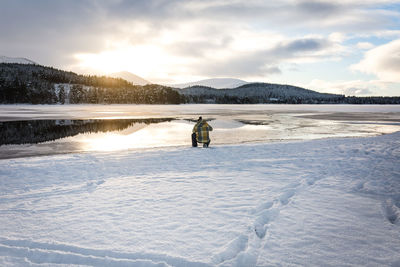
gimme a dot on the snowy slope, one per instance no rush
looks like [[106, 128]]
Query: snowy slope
[[130, 77], [332, 202], [262, 91], [4, 59], [218, 83]]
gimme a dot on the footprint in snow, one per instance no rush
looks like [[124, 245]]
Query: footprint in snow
[[263, 206], [391, 211], [286, 196], [263, 218], [91, 186], [311, 181], [231, 250]]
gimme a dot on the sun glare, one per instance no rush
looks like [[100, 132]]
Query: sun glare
[[140, 60], [139, 136]]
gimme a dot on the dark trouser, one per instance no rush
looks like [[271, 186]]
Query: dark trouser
[[194, 140]]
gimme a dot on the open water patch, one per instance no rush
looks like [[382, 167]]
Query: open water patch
[[39, 135], [44, 137], [39, 131]]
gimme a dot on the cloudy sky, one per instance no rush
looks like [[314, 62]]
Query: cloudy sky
[[337, 46]]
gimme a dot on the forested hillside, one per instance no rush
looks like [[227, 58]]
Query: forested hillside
[[23, 83], [35, 84], [255, 93], [259, 93]]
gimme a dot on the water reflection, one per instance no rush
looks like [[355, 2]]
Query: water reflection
[[37, 131], [172, 133]]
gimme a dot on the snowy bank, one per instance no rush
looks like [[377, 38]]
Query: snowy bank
[[331, 202]]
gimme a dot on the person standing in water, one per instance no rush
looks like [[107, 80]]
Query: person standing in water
[[200, 133]]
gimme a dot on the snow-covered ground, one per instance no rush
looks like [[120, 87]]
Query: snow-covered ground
[[330, 202]]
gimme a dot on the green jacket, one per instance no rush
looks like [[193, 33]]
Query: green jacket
[[201, 129]]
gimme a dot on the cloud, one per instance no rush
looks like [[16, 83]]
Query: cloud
[[238, 66], [197, 48], [50, 31], [266, 62], [354, 91], [301, 47], [353, 87], [324, 16], [382, 61], [320, 9], [364, 45], [251, 38]]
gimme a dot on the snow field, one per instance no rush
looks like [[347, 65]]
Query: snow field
[[332, 202]]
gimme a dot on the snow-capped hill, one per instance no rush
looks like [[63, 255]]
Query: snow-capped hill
[[258, 93], [217, 83], [18, 60], [130, 77]]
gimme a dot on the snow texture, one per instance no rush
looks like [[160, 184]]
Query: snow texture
[[217, 83], [4, 59], [331, 202]]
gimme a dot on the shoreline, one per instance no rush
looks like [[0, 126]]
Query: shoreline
[[36, 155]]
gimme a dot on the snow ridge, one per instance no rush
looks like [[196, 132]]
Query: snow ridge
[[18, 60], [46, 253], [217, 83]]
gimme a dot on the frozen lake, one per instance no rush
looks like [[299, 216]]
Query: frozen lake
[[30, 130], [137, 194]]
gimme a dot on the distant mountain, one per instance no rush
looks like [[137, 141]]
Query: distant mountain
[[253, 93], [217, 83], [130, 77], [19, 60]]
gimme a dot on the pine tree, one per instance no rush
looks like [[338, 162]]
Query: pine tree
[[77, 94], [61, 95]]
